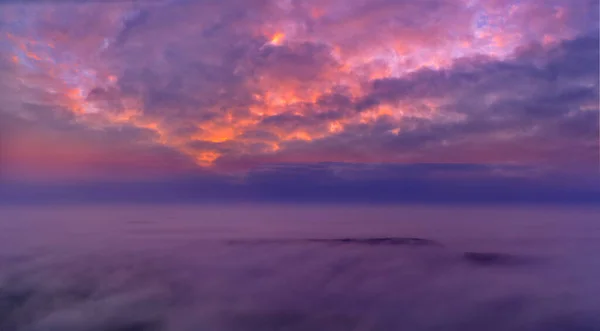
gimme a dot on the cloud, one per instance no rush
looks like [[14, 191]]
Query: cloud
[[528, 101], [329, 183], [69, 150], [238, 85]]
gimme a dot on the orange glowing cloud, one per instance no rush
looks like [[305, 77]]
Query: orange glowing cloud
[[256, 99], [277, 38]]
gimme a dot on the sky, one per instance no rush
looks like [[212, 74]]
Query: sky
[[313, 100]]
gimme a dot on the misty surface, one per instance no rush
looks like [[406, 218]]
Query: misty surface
[[264, 268]]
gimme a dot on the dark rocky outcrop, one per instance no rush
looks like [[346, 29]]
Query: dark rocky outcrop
[[369, 241], [389, 241], [139, 326], [491, 259]]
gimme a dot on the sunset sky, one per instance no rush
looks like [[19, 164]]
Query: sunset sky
[[312, 99]]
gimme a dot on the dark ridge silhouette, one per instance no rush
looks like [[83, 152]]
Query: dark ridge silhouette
[[491, 259], [376, 241], [390, 241], [138, 326]]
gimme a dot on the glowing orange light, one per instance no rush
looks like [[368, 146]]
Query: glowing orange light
[[499, 41], [74, 93], [277, 38], [33, 56], [216, 134], [335, 127], [385, 110], [300, 135], [207, 158], [272, 94]]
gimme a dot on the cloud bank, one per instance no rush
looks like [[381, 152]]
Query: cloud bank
[[143, 91]]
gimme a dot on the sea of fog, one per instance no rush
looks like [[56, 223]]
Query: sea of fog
[[313, 268]]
